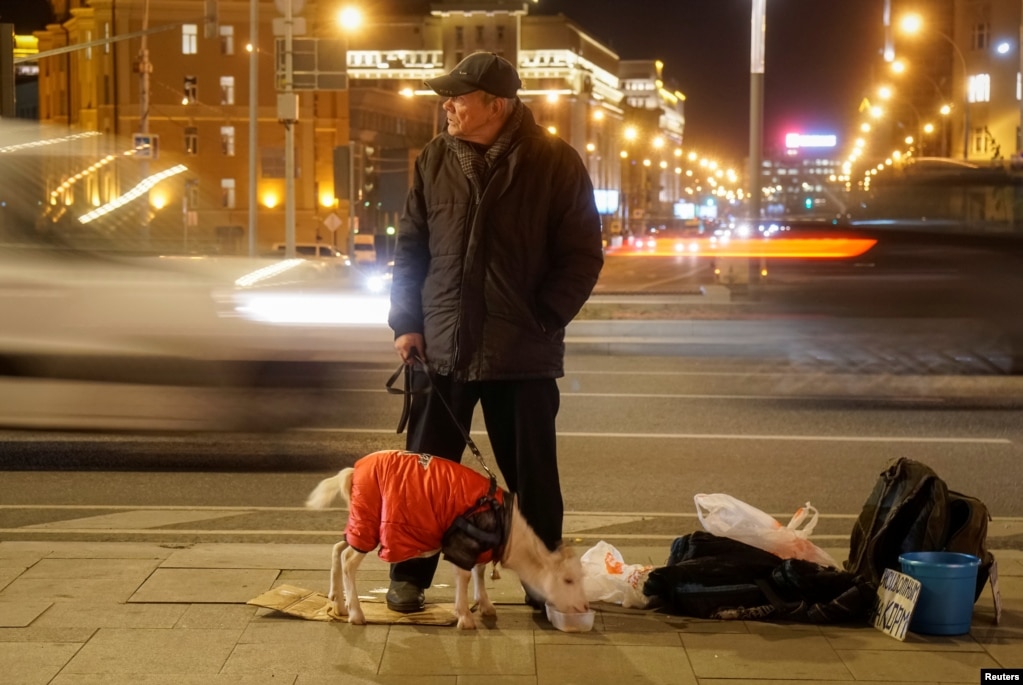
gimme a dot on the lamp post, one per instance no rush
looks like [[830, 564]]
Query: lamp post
[[885, 93], [253, 118], [966, 95], [287, 112], [899, 67], [911, 24], [350, 19], [758, 30]]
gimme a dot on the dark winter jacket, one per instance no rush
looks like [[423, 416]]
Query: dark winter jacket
[[491, 282]]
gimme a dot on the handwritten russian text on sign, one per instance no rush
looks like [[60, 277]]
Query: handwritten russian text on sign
[[897, 594]]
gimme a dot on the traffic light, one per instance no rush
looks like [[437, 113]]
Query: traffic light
[[369, 170], [808, 203]]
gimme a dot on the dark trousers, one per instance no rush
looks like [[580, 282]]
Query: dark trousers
[[520, 420]]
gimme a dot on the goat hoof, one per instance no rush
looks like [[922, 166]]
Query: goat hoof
[[466, 622], [357, 618]]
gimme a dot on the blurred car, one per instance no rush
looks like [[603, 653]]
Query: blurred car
[[945, 251], [106, 328], [328, 253], [377, 278]]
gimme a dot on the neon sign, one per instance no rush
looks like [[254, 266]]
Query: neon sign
[[797, 140]]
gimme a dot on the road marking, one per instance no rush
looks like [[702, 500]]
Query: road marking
[[218, 509], [806, 438], [715, 436]]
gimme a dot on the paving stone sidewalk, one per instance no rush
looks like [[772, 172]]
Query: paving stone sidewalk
[[77, 613]]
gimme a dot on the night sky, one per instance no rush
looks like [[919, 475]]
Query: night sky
[[26, 15], [819, 58], [820, 54]]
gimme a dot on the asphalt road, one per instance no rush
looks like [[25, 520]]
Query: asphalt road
[[639, 437]]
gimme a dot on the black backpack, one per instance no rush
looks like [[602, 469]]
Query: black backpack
[[911, 509]]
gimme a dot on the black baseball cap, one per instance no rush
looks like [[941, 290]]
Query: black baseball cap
[[484, 71]]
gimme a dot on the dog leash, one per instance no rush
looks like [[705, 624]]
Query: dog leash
[[494, 540], [405, 370]]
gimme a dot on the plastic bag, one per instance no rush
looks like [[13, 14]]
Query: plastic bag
[[607, 578], [729, 517]]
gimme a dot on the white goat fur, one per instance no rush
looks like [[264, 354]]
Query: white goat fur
[[558, 575]]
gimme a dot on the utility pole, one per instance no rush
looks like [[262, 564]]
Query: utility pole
[[253, 118], [287, 112], [1019, 51], [758, 31], [7, 104], [145, 67]]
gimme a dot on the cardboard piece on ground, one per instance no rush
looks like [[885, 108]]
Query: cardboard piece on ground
[[315, 606]]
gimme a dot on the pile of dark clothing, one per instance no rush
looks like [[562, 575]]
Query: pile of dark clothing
[[708, 576]]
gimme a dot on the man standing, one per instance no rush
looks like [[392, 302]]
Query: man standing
[[498, 248]]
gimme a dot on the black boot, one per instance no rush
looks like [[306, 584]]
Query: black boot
[[405, 597]]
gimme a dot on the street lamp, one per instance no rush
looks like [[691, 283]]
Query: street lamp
[[349, 19], [886, 93], [912, 24]]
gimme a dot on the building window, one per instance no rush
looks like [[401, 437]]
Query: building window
[[980, 141], [979, 88], [227, 140], [192, 194], [459, 36], [227, 90], [189, 39], [226, 40], [479, 35], [191, 90], [106, 35], [981, 36], [191, 140], [227, 194], [500, 34], [272, 159]]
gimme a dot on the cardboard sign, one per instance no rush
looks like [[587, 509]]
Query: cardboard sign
[[897, 595], [996, 593]]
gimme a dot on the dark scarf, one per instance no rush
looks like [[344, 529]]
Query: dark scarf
[[476, 165]]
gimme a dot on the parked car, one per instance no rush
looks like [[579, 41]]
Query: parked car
[[327, 253]]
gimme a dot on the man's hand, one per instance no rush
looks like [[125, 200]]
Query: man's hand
[[405, 344]]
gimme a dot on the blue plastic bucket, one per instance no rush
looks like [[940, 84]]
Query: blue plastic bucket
[[948, 583]]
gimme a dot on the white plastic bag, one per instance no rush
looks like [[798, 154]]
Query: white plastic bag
[[607, 578], [729, 517]]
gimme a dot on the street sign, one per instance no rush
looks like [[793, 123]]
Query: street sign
[[332, 222], [316, 64], [298, 26], [296, 6]]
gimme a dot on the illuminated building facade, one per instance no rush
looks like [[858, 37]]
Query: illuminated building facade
[[193, 108]]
